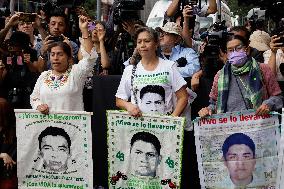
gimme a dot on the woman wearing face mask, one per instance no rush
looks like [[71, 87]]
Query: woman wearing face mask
[[243, 84]]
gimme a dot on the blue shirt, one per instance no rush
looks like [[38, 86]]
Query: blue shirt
[[75, 50], [192, 66]]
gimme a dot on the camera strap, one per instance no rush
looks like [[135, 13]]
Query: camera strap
[[134, 90]]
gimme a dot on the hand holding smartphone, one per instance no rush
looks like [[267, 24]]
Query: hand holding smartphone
[[27, 17]]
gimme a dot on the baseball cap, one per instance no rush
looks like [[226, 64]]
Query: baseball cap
[[260, 40], [171, 27]]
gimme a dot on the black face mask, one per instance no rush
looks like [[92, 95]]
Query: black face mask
[[281, 68]]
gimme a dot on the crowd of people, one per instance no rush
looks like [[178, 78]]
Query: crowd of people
[[43, 69]]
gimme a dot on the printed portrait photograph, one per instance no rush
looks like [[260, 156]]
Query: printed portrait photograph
[[241, 160], [145, 157], [152, 99], [54, 149]]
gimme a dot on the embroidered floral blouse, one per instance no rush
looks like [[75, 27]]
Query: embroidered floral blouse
[[64, 92]]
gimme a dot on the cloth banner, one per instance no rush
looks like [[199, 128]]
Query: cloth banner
[[144, 152], [280, 175], [54, 150], [237, 150]]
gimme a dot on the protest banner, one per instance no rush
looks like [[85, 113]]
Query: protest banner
[[237, 150], [280, 173], [144, 152], [54, 150]]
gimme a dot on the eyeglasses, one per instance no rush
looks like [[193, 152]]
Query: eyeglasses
[[236, 48]]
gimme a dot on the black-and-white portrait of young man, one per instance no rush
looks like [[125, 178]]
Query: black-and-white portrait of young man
[[152, 99], [54, 149], [145, 154]]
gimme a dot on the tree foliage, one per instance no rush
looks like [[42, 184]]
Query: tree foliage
[[242, 10], [91, 6]]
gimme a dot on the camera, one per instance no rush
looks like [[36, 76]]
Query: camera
[[216, 39], [27, 17], [127, 10], [56, 38], [193, 4]]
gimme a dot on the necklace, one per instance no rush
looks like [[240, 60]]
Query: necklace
[[55, 82]]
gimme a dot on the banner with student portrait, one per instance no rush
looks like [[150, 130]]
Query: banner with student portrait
[[237, 150], [280, 175], [144, 152], [54, 150]]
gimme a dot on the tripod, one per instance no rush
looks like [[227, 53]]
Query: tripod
[[125, 47]]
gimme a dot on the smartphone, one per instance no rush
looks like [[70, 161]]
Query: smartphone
[[27, 17], [281, 40], [193, 4], [56, 38]]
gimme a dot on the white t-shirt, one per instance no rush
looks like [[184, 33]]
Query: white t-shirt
[[64, 92], [154, 89], [279, 60]]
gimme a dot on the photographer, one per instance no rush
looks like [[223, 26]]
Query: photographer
[[193, 10], [57, 24], [186, 58], [211, 8], [275, 56], [18, 70], [27, 23], [124, 20]]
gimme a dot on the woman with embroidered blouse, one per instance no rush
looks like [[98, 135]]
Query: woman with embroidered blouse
[[61, 87]]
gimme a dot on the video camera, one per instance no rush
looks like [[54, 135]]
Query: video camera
[[216, 39], [127, 10]]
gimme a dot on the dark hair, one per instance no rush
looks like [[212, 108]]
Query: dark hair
[[20, 39], [154, 34], [241, 28], [108, 32], [238, 138], [58, 12], [153, 89], [244, 41], [66, 48], [54, 131], [7, 121], [146, 137]]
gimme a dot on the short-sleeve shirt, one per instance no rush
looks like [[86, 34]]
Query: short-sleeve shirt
[[165, 75]]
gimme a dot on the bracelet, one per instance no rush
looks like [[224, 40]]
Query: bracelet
[[86, 37]]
